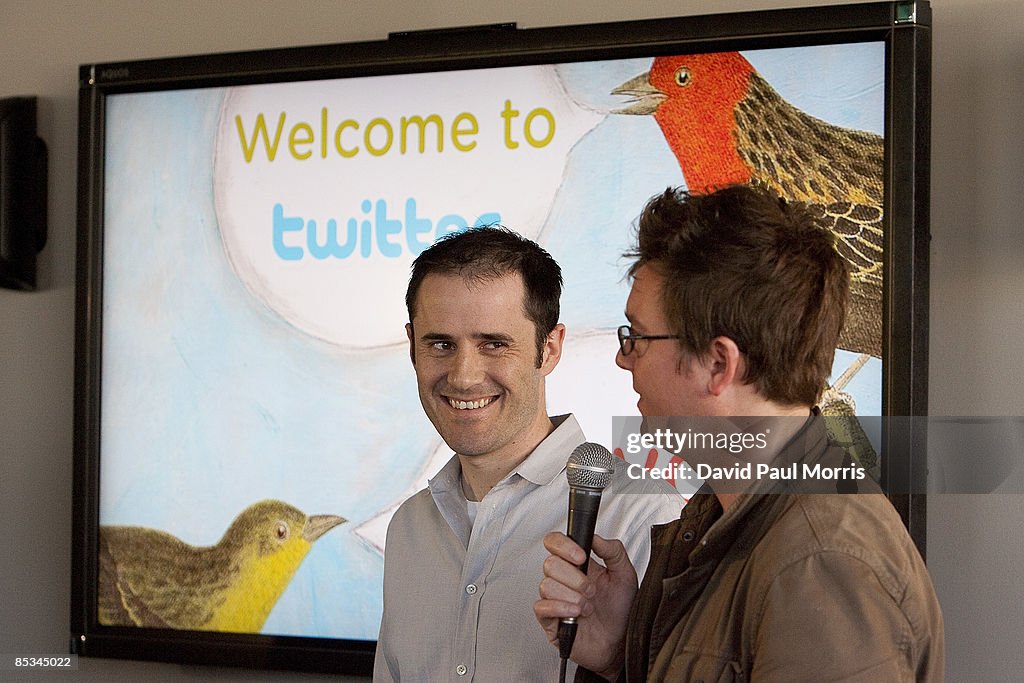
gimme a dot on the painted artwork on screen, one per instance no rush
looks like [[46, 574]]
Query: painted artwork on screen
[[260, 415]]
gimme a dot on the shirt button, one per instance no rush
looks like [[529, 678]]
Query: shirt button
[[471, 588], [461, 669]]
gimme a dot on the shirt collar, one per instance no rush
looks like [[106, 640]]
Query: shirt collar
[[548, 459], [541, 467], [448, 478]]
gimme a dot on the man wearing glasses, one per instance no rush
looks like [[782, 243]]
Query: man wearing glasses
[[462, 556], [735, 310]]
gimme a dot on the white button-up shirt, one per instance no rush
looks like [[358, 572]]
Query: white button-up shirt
[[458, 594]]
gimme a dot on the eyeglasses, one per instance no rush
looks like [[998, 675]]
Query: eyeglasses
[[628, 338]]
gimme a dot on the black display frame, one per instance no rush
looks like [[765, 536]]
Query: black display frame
[[903, 26]]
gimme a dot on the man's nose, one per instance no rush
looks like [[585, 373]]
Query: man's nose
[[467, 369], [624, 362]]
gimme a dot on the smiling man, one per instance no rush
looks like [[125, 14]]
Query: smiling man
[[462, 555]]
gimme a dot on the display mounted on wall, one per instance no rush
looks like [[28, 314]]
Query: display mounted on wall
[[246, 416]]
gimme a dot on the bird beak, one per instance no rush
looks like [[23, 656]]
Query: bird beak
[[318, 525], [646, 98]]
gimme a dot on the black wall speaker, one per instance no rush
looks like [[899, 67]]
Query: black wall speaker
[[22, 193]]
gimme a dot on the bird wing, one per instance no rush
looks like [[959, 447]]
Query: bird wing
[[838, 170], [158, 581], [116, 604], [857, 229]]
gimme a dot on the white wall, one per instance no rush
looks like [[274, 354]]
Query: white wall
[[977, 314]]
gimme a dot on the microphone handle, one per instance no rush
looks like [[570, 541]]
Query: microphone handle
[[583, 506]]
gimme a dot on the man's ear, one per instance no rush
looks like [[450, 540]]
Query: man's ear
[[724, 363], [551, 352], [412, 342]]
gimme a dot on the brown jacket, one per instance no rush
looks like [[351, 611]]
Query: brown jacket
[[785, 587]]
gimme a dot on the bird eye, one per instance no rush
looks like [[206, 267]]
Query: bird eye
[[281, 531], [683, 77]]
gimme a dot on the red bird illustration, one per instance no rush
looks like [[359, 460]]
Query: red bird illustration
[[726, 125]]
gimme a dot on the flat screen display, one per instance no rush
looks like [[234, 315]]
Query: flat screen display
[[244, 367]]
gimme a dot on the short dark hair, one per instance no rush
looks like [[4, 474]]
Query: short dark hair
[[745, 264], [490, 252]]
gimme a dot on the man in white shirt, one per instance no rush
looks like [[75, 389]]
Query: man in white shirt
[[462, 555]]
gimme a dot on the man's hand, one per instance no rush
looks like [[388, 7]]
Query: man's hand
[[601, 599]]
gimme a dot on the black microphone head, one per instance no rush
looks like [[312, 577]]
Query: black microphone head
[[590, 466]]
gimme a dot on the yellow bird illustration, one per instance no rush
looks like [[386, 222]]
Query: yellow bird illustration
[[150, 578]]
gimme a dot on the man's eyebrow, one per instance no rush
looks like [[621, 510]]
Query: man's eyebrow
[[435, 336], [638, 325], [482, 336], [494, 336]]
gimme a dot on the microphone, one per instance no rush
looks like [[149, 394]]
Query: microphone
[[589, 469]]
